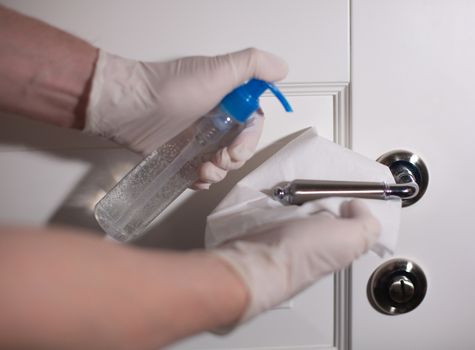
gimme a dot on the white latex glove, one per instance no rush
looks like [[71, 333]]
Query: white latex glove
[[141, 105], [279, 261]]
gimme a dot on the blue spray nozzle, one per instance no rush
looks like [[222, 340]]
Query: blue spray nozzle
[[280, 96], [244, 100]]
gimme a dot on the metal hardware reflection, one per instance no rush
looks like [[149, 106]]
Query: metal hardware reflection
[[301, 191], [409, 171], [396, 287]]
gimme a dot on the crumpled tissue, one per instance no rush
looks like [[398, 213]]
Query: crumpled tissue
[[309, 156]]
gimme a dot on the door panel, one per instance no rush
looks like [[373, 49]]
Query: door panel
[[72, 171], [311, 35], [67, 183], [412, 74]]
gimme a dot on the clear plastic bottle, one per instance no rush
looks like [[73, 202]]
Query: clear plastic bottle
[[129, 207]]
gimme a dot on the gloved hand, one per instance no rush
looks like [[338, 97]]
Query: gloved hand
[[278, 261], [141, 105]]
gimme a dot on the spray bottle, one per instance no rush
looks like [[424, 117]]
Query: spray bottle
[[136, 200]]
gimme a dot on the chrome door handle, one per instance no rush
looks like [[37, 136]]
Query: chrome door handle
[[301, 191], [409, 171]]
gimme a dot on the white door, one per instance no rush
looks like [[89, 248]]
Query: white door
[[411, 71], [55, 176], [412, 88]]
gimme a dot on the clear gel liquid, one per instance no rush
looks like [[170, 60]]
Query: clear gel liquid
[[127, 210]]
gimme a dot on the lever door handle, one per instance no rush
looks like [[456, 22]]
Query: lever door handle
[[409, 171], [301, 191]]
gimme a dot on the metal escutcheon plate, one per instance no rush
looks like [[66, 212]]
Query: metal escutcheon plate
[[396, 287], [401, 161]]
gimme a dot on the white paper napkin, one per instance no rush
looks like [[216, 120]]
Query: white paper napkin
[[309, 156]]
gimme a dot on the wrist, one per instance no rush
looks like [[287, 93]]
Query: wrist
[[84, 83], [232, 295]]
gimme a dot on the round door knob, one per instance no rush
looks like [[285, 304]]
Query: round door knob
[[396, 287], [401, 290]]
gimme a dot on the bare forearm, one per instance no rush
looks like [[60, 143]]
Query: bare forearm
[[74, 291], [44, 72]]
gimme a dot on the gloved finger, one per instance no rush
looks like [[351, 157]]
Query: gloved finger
[[242, 148], [359, 214], [209, 173], [355, 208], [199, 185], [254, 63], [232, 157]]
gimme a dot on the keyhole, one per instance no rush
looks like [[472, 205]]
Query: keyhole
[[401, 290]]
